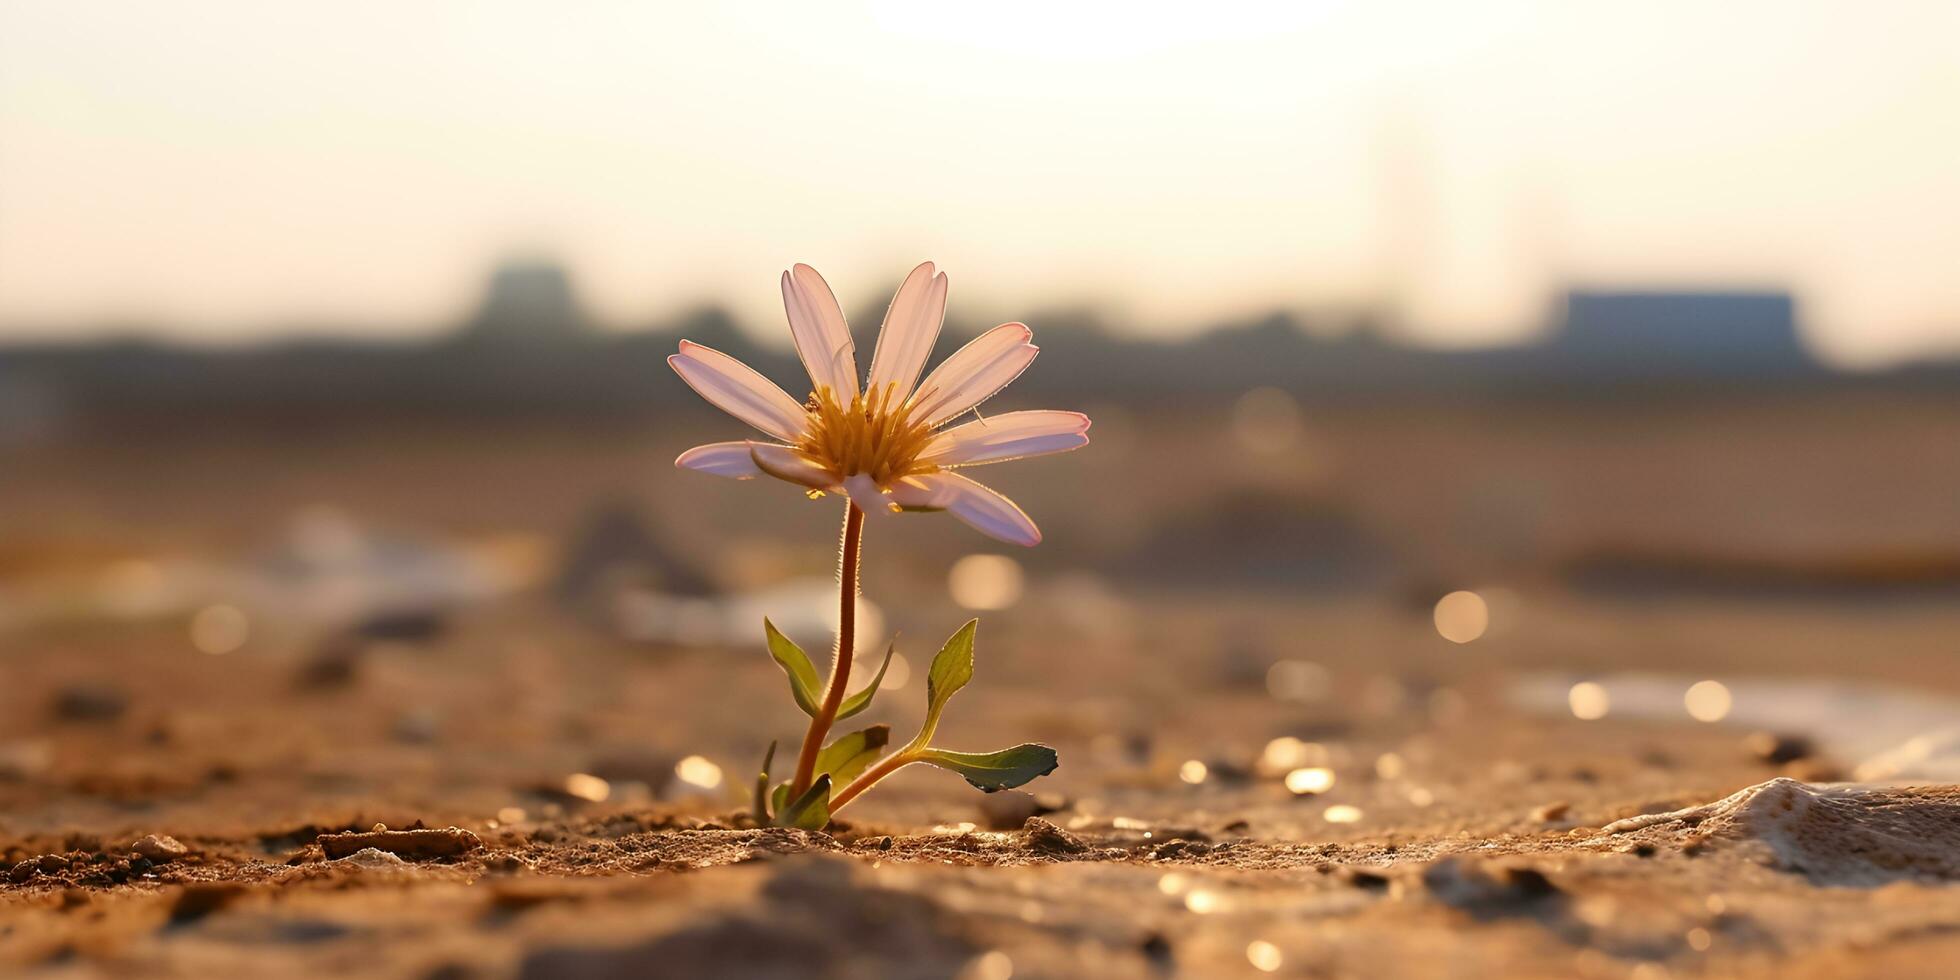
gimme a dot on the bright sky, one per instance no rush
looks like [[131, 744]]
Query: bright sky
[[234, 168]]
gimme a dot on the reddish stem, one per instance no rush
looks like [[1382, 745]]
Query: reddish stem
[[840, 664]]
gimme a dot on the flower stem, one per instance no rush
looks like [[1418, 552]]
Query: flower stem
[[840, 664], [891, 764]]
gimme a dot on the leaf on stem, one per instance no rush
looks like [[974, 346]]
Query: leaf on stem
[[992, 771], [862, 699], [952, 667], [852, 754], [802, 673], [811, 811], [762, 786]]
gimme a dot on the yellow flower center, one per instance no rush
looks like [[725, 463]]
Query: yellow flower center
[[870, 436]]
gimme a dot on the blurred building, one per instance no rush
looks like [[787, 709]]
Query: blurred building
[[1666, 332], [528, 303]]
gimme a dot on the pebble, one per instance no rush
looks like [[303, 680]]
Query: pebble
[[161, 849], [1485, 885], [90, 702], [418, 843], [1047, 838], [1364, 878], [203, 898], [1776, 749], [1551, 812], [374, 858]]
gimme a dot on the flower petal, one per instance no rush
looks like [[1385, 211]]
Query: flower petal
[[787, 464], [864, 492], [737, 389], [978, 506], [911, 328], [822, 338], [1013, 435], [974, 373], [730, 459]]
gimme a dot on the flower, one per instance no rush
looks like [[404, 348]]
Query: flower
[[887, 446]]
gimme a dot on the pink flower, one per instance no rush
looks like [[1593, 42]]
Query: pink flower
[[889, 445]]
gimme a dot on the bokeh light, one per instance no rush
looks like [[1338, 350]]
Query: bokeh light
[[985, 582], [1193, 771], [1314, 779], [1589, 701], [219, 629], [698, 771], [588, 787], [1264, 956], [1297, 680], [1341, 813], [1708, 701], [1267, 421], [1462, 617]]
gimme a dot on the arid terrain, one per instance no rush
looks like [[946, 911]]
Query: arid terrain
[[224, 648]]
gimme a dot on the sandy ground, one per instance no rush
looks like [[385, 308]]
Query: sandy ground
[[1463, 834]]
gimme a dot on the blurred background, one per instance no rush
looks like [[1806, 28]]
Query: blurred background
[[1449, 364]]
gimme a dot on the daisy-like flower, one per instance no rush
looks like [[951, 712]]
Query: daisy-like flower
[[888, 445]]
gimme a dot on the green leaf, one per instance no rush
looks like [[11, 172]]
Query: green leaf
[[779, 797], [992, 771], [811, 811], [862, 699], [952, 667], [802, 673], [851, 754], [762, 786]]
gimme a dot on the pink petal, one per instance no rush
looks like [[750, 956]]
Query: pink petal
[[974, 373], [864, 492], [978, 506], [822, 338], [787, 464], [911, 328], [730, 459], [735, 388], [1014, 435]]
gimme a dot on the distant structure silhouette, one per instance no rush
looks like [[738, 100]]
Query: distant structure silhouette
[[1732, 333], [528, 303]]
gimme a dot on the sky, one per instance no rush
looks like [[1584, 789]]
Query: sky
[[230, 170]]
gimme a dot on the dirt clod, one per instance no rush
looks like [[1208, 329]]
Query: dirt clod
[[1047, 838], [160, 848], [1552, 812], [418, 844], [198, 900]]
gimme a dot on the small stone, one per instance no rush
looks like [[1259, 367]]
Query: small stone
[[423, 843], [1551, 812], [1486, 886], [161, 849], [90, 702], [24, 870], [336, 663], [374, 859], [52, 864], [1049, 839], [203, 898], [1776, 749], [1364, 879]]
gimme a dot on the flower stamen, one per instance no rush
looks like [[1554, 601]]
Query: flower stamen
[[875, 435]]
